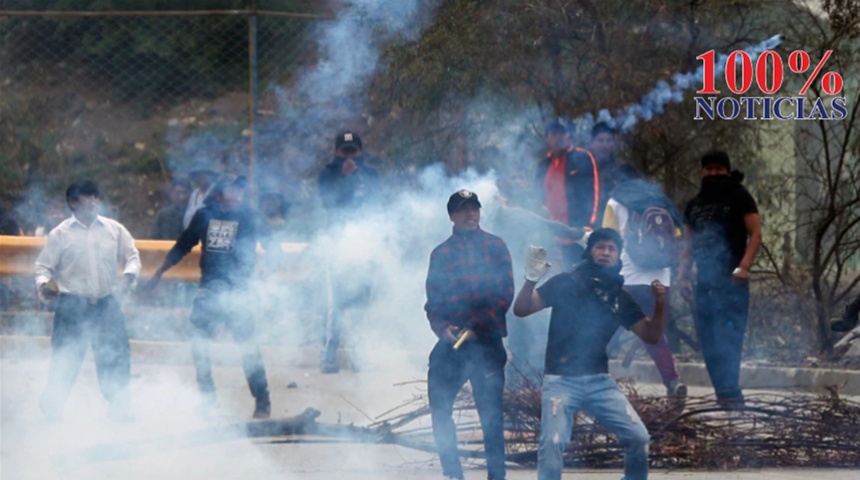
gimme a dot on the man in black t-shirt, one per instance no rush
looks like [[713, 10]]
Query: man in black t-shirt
[[588, 305], [228, 232], [724, 235]]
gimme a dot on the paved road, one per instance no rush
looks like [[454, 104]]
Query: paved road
[[168, 440]]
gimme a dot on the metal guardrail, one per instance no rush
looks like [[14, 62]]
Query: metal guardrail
[[18, 256]]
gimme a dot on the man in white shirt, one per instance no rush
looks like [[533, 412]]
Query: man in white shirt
[[634, 194], [77, 271]]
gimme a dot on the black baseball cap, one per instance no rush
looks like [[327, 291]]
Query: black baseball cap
[[347, 139], [460, 198]]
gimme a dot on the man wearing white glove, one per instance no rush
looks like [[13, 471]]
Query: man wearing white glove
[[536, 264], [588, 305]]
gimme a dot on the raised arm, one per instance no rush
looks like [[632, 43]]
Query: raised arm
[[650, 330]]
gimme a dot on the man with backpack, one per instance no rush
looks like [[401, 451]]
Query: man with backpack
[[650, 225]]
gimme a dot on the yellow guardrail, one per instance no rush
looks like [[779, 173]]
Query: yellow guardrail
[[18, 257]]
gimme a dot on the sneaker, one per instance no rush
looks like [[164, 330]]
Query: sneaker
[[262, 410], [677, 389]]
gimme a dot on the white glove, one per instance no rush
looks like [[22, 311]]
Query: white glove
[[536, 264], [584, 240]]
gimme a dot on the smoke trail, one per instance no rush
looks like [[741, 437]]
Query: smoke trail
[[654, 102], [350, 46]]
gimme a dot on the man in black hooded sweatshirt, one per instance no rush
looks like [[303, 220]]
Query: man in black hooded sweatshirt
[[722, 225], [229, 232], [347, 186]]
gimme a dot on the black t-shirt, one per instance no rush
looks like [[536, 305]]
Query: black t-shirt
[[720, 236], [584, 317], [229, 242]]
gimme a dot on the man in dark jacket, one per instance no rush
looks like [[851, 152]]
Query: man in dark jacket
[[229, 233], [574, 191], [347, 182], [346, 185], [722, 225], [469, 289]]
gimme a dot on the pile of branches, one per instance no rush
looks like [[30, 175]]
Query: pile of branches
[[772, 430]]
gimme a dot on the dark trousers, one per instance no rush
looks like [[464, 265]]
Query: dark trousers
[[342, 293], [78, 323], [482, 363], [660, 352], [721, 322], [229, 308]]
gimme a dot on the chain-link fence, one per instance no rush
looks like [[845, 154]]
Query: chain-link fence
[[116, 93]]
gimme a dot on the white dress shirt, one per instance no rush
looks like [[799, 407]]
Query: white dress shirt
[[84, 260]]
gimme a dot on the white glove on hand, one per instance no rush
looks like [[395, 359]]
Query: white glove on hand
[[584, 240], [536, 264]]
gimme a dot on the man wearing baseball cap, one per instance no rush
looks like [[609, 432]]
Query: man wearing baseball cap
[[347, 182], [346, 185], [469, 289]]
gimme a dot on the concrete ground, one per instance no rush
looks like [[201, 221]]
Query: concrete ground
[[168, 440]]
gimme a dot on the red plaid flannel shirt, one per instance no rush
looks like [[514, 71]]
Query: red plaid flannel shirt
[[470, 284]]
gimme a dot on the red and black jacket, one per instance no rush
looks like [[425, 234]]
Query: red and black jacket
[[584, 189]]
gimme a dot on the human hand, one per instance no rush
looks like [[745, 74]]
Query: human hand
[[740, 275], [583, 241], [658, 291], [349, 167], [449, 335], [147, 286], [536, 264], [49, 291]]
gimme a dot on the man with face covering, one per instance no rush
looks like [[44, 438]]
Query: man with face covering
[[347, 185], [588, 305], [77, 270], [724, 235], [469, 289], [229, 232]]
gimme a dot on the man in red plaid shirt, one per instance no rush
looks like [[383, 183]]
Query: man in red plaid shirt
[[469, 289]]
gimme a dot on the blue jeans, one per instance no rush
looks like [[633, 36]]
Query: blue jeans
[[598, 396], [721, 322], [482, 363], [211, 309], [79, 323]]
